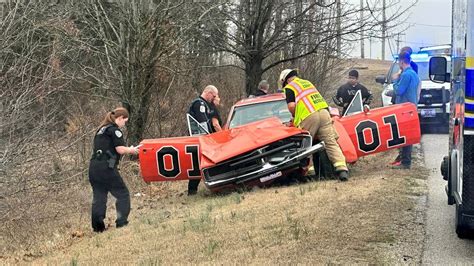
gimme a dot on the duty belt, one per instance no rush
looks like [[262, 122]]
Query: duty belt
[[99, 155]]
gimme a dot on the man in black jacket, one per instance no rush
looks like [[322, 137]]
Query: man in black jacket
[[262, 88], [346, 92]]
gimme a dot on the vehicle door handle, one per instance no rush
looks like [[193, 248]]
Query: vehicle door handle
[[408, 112]]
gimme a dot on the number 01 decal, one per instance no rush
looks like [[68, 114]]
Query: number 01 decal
[[373, 128], [173, 170]]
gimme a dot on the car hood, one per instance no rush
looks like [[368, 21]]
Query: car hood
[[223, 145]]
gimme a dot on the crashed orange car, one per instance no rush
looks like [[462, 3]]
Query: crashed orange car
[[257, 147]]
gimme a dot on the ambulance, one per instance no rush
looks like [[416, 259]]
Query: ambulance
[[457, 167]]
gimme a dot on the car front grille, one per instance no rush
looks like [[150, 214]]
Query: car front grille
[[258, 159]]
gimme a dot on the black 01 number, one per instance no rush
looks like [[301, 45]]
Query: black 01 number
[[372, 126], [175, 169]]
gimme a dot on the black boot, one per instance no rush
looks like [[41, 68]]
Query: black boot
[[343, 175]]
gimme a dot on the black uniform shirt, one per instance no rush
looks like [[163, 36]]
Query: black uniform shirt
[[290, 96], [346, 92], [214, 113], [107, 138], [259, 92], [200, 111]]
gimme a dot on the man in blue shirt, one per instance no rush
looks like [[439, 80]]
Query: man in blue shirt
[[406, 90]]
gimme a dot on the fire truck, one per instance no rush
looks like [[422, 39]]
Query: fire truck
[[458, 166]]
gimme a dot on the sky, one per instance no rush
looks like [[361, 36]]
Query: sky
[[429, 23]]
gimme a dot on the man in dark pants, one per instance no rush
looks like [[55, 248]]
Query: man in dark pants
[[406, 90], [346, 92], [201, 111]]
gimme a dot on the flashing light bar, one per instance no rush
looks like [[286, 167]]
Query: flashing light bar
[[417, 57]]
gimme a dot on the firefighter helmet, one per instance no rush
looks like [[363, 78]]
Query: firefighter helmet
[[284, 75]]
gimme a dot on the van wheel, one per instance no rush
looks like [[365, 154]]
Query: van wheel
[[461, 229]]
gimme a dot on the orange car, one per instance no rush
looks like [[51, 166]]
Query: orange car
[[258, 147]]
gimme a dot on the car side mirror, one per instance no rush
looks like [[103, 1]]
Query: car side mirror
[[380, 79], [438, 69]]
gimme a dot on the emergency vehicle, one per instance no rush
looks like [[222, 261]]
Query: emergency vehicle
[[433, 103], [458, 166]]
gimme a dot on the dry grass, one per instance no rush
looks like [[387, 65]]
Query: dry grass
[[373, 218], [377, 217]]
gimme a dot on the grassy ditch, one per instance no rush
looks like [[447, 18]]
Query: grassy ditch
[[376, 217]]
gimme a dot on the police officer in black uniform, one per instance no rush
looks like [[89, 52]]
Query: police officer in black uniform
[[346, 92], [216, 120], [201, 111], [104, 177]]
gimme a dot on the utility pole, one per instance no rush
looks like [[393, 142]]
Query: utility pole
[[362, 54], [338, 27], [384, 29], [370, 47], [398, 41]]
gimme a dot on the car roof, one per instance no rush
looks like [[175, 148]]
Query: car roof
[[260, 99]]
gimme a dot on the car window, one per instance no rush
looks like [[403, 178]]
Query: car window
[[246, 114], [356, 105]]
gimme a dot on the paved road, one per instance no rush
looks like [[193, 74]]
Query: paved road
[[442, 246]]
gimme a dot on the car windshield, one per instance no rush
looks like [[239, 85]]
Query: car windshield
[[246, 114]]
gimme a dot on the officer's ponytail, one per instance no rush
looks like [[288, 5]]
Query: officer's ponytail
[[112, 115]]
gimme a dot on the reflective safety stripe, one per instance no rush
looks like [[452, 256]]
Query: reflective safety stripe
[[339, 164], [306, 93], [302, 95]]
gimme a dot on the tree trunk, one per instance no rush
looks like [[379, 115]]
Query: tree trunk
[[253, 74]]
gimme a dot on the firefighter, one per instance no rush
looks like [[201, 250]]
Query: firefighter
[[200, 110], [310, 112], [104, 177]]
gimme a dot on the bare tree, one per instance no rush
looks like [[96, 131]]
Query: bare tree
[[133, 43], [260, 29]]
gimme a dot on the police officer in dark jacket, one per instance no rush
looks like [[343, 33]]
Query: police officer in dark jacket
[[346, 92], [216, 120], [200, 110], [104, 177]]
